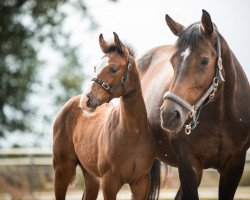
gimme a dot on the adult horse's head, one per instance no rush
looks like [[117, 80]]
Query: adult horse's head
[[197, 72], [112, 74]]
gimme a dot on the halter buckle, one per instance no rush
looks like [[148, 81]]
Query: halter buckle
[[192, 111], [105, 86], [219, 63], [129, 66]]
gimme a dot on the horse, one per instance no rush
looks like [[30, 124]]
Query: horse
[[197, 98], [111, 144]]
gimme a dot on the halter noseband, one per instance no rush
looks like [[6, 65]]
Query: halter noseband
[[111, 89], [194, 110]]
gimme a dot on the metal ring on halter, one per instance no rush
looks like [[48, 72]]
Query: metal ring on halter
[[123, 80], [216, 81], [105, 86], [188, 129]]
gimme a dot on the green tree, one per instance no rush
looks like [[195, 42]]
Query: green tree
[[24, 26]]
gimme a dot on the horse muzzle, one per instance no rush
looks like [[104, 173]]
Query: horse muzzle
[[173, 117], [88, 103], [92, 102]]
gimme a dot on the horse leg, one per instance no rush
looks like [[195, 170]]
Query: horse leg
[[189, 171], [64, 173], [140, 188], [111, 185], [179, 195], [91, 186], [230, 175]]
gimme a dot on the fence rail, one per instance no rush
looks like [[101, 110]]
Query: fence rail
[[36, 156]]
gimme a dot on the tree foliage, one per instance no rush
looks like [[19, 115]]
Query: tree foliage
[[24, 26]]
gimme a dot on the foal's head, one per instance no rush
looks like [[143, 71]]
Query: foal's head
[[195, 65], [113, 72]]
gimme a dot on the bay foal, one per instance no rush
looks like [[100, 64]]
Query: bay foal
[[113, 143]]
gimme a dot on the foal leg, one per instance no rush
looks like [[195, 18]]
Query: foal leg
[[64, 172], [230, 176], [91, 186], [111, 185], [140, 188]]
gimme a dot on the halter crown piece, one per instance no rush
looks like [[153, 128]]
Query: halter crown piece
[[111, 89], [194, 110]]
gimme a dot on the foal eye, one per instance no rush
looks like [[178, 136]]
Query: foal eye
[[204, 61], [113, 69]]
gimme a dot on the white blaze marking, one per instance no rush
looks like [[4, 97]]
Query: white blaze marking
[[185, 54], [103, 63]]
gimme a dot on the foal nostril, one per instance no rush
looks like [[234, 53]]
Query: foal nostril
[[92, 102], [88, 103]]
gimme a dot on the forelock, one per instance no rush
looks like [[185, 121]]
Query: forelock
[[114, 48], [189, 36]]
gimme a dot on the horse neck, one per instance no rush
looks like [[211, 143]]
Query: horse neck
[[234, 76], [132, 107]]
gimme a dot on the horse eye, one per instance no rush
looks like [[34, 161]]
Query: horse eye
[[204, 61], [113, 69]]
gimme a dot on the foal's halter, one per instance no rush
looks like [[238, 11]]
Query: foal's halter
[[111, 89], [194, 110]]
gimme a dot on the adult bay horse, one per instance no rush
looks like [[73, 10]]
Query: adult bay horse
[[198, 79], [113, 143]]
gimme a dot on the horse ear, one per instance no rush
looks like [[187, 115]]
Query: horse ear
[[174, 26], [118, 42], [103, 43], [207, 23]]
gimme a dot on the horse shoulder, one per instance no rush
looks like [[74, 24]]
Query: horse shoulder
[[67, 117]]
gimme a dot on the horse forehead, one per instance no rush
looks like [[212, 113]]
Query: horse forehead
[[186, 53], [103, 63]]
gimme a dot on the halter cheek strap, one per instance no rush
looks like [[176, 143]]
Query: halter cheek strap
[[111, 89], [194, 110]]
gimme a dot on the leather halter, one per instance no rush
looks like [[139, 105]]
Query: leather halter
[[111, 89], [194, 110]]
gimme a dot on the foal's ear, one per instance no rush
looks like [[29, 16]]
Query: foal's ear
[[103, 44], [118, 43], [207, 23], [174, 26]]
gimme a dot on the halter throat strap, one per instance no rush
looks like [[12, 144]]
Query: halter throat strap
[[194, 110], [111, 89]]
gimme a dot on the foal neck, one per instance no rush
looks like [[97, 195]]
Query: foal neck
[[132, 107]]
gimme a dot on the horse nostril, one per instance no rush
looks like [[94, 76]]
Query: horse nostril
[[177, 115], [171, 115], [88, 101]]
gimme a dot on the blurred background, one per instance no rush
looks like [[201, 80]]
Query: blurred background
[[47, 53]]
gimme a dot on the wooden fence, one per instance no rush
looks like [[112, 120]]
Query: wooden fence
[[36, 156]]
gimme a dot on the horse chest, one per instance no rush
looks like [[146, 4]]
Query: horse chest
[[129, 159]]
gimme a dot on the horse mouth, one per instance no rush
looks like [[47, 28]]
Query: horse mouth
[[169, 130]]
